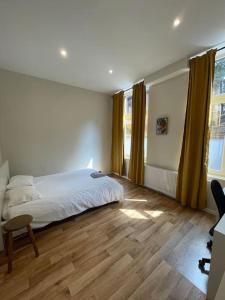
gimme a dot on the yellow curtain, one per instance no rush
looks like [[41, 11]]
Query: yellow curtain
[[192, 172], [136, 164], [117, 133]]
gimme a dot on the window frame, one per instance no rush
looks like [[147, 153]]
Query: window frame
[[216, 99], [127, 94]]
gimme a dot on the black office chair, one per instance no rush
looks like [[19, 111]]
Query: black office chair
[[219, 198]]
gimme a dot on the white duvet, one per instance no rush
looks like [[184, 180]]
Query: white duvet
[[66, 194]]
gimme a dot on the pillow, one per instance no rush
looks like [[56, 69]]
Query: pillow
[[22, 195], [4, 176], [20, 180], [3, 183]]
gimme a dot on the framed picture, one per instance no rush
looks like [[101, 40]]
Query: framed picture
[[162, 126]]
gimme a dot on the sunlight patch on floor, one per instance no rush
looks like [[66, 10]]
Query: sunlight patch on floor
[[136, 200], [133, 214], [154, 213]]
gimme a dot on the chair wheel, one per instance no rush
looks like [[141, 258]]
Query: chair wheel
[[209, 245], [201, 264]]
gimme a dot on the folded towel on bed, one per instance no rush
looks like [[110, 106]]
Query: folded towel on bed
[[97, 174]]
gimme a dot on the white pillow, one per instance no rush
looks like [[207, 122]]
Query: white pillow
[[19, 181], [22, 195], [3, 183]]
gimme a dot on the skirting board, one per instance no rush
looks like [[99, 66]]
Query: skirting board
[[210, 211], [164, 181]]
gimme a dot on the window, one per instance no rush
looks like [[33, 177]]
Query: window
[[146, 125], [128, 123], [216, 163]]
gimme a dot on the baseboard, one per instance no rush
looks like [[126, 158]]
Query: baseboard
[[210, 211], [168, 192]]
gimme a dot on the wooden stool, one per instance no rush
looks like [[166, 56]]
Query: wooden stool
[[14, 225]]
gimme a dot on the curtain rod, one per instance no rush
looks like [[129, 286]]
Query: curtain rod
[[197, 54], [130, 88], [222, 48]]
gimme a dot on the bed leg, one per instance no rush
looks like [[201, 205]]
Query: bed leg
[[10, 250], [1, 239]]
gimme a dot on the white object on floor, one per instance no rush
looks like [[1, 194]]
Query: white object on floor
[[66, 194]]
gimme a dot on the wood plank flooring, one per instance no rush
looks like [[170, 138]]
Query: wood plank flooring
[[146, 247]]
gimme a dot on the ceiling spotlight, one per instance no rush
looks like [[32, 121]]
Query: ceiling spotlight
[[110, 71], [63, 52], [176, 22]]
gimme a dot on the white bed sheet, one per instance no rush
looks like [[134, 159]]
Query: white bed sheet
[[66, 194]]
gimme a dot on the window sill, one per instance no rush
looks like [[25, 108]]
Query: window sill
[[127, 159], [210, 177]]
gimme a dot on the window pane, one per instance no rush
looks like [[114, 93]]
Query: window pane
[[216, 153], [217, 133], [146, 127], [127, 123], [217, 120], [219, 77]]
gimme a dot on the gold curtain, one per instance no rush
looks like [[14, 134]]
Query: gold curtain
[[117, 133], [136, 164], [192, 172]]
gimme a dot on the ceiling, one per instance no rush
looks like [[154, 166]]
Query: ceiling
[[132, 37]]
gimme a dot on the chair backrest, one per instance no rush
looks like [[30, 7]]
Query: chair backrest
[[219, 196]]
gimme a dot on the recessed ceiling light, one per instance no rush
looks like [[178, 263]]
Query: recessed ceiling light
[[63, 52], [176, 22], [110, 71]]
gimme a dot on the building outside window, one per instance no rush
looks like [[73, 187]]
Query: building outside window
[[128, 124], [216, 162]]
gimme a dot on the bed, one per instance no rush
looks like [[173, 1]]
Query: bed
[[64, 195]]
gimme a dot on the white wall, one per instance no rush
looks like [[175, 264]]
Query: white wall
[[0, 144], [168, 99], [47, 127], [0, 155]]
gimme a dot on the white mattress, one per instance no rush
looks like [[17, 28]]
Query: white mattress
[[66, 194]]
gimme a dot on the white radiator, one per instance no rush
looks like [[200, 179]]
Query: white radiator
[[161, 180]]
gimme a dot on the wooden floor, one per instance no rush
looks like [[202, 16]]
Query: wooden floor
[[146, 247]]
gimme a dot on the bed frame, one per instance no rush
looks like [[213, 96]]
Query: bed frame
[[4, 174]]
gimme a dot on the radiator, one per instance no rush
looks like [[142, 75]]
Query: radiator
[[161, 180]]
